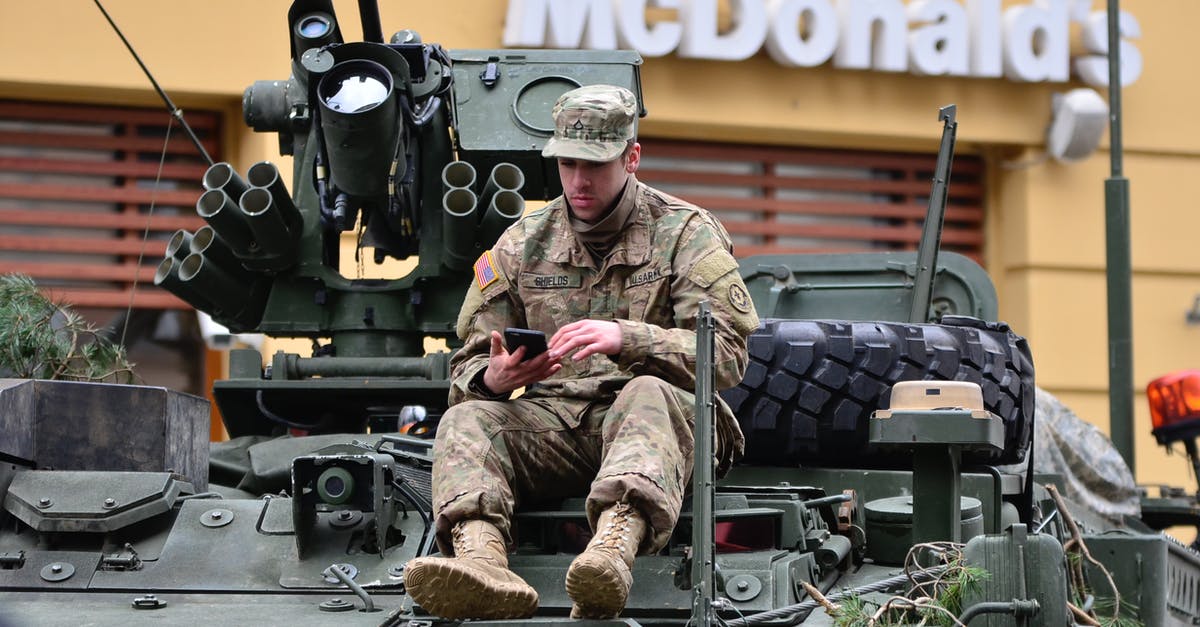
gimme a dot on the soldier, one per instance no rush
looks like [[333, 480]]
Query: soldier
[[613, 272]]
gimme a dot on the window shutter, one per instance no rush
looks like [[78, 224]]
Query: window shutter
[[76, 185], [776, 200]]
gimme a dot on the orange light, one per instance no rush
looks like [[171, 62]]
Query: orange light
[[1175, 406]]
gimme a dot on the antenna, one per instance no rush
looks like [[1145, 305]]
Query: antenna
[[176, 112]]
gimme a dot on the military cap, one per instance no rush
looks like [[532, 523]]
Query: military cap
[[593, 123]]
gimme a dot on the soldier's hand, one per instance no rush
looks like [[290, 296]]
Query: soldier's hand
[[589, 336], [506, 372]]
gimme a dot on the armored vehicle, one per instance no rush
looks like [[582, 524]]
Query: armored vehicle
[[891, 421]]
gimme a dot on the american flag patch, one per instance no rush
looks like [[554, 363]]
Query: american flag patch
[[485, 274]]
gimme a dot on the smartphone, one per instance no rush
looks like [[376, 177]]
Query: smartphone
[[533, 341]]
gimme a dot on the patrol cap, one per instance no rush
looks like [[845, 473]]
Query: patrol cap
[[593, 123]]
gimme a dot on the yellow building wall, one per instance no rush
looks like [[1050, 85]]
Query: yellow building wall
[[1045, 226]]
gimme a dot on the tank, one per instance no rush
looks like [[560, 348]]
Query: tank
[[901, 466]]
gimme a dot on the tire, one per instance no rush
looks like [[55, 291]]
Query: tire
[[811, 385]]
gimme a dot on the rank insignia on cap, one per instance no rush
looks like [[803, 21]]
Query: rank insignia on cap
[[485, 272]]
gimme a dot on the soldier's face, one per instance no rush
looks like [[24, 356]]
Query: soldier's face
[[591, 187]]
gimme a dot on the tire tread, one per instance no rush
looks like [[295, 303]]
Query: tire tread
[[811, 385]]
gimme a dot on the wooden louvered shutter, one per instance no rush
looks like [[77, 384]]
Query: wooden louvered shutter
[[776, 200], [76, 185]]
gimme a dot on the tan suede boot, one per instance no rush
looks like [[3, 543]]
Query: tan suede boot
[[475, 583], [598, 581]]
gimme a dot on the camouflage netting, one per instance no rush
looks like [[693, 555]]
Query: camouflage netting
[[1093, 472]]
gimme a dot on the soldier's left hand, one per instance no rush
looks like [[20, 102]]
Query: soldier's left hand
[[589, 336]]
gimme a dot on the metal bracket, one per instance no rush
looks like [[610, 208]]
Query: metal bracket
[[148, 602], [491, 73], [12, 561], [300, 116], [338, 572], [126, 559]]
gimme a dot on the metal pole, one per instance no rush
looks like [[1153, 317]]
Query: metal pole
[[931, 234], [368, 14], [704, 475], [1119, 264]]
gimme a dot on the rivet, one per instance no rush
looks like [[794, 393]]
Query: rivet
[[110, 502], [44, 502]]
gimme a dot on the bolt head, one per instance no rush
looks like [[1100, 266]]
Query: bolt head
[[110, 502], [43, 502], [215, 515], [56, 568]]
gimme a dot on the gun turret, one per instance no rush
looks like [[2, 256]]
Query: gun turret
[[388, 139]]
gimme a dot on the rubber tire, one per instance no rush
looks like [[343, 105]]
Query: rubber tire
[[811, 385]]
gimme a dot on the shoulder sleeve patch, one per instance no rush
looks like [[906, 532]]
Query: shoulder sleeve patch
[[712, 267], [739, 298]]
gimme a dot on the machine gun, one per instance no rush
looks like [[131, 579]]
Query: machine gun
[[427, 154]]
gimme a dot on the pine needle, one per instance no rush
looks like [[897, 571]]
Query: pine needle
[[41, 339]]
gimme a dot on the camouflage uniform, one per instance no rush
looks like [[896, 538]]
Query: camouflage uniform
[[617, 428]]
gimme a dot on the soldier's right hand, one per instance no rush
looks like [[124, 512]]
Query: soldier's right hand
[[506, 371]]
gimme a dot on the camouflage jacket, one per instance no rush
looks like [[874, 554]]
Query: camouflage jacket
[[669, 258]]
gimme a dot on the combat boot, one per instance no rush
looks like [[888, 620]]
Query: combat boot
[[475, 583], [599, 579]]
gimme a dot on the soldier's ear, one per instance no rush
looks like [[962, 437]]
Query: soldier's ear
[[634, 158]]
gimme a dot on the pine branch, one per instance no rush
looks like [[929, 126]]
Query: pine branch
[[41, 339]]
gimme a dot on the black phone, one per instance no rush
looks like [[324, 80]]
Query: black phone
[[533, 341]]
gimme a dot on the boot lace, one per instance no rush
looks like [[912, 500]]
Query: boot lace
[[615, 534], [465, 548], [458, 539]]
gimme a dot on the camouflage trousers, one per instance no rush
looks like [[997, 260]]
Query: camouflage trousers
[[492, 456]]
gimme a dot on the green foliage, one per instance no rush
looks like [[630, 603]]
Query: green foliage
[[937, 601], [960, 581], [1129, 614], [1080, 565], [853, 611], [40, 339]]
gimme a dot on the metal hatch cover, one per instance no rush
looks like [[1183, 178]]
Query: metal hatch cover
[[93, 502]]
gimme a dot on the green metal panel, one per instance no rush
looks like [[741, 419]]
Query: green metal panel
[[503, 100], [1158, 578], [863, 286], [1021, 566]]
